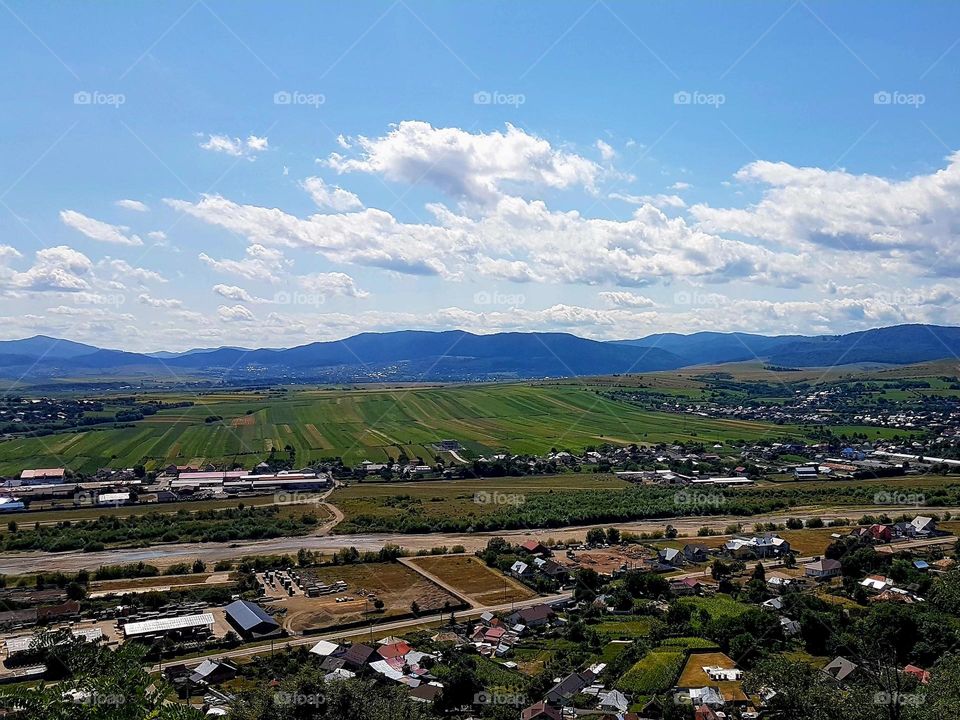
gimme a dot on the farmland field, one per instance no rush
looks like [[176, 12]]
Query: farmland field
[[655, 672], [472, 578], [372, 424]]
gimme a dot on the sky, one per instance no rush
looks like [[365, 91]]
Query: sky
[[198, 174]]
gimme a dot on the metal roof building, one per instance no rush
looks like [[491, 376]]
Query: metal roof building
[[250, 619], [161, 626], [24, 642]]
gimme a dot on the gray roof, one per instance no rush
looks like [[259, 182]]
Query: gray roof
[[250, 616]]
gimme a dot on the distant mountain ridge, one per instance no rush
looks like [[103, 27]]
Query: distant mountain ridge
[[897, 345], [453, 355]]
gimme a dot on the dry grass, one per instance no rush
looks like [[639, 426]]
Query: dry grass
[[472, 578]]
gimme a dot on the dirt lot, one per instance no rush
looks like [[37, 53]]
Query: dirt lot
[[606, 561], [397, 586], [469, 576], [694, 676]]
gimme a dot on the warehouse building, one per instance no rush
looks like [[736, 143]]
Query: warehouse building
[[184, 627], [250, 620]]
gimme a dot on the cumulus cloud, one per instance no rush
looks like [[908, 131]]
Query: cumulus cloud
[[260, 263], [59, 268], [333, 197], [476, 167], [233, 292], [123, 271], [606, 151], [235, 313], [236, 147], [912, 220], [622, 298], [516, 239], [334, 283], [99, 230], [134, 205]]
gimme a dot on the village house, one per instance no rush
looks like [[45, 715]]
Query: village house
[[823, 569]]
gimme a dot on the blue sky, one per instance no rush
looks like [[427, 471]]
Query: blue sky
[[189, 174]]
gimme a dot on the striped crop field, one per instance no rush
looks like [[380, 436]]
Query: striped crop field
[[370, 424]]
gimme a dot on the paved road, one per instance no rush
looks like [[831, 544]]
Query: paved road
[[164, 555], [379, 630]]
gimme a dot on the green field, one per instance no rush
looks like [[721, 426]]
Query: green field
[[373, 424], [654, 673]]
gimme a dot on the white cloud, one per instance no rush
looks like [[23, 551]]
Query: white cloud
[[134, 205], [59, 268], [679, 186], [674, 201], [99, 230], [124, 271], [236, 147], [622, 298], [515, 239], [606, 151], [477, 168], [334, 283], [233, 292], [167, 303], [235, 313], [260, 263], [912, 221], [333, 197]]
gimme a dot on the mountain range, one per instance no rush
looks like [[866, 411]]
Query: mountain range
[[457, 355]]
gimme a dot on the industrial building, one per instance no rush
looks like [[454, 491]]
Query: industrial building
[[250, 620], [186, 626]]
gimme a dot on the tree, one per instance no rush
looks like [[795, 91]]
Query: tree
[[802, 691], [114, 683], [199, 566], [415, 608], [596, 536], [613, 536], [759, 573]]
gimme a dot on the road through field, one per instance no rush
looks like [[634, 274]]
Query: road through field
[[164, 555]]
